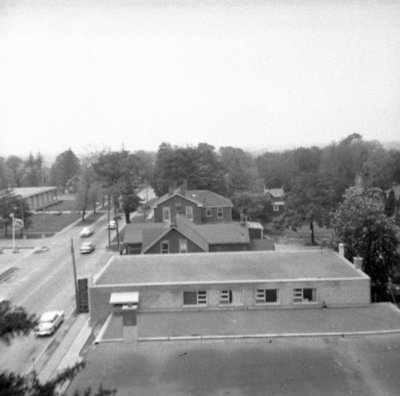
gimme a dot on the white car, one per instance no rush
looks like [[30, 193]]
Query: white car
[[49, 322], [87, 247], [87, 231], [112, 225]]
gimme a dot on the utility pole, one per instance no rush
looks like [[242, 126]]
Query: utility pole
[[108, 220], [75, 280]]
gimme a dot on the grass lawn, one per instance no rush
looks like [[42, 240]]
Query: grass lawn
[[65, 205], [301, 236], [49, 224]]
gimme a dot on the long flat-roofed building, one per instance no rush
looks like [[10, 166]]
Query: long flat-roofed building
[[232, 280], [37, 197]]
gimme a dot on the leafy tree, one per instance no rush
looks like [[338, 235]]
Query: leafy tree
[[16, 170], [361, 224], [309, 201], [65, 167], [240, 170], [199, 167], [33, 172], [256, 206], [120, 174], [10, 203], [15, 321], [390, 204], [4, 182]]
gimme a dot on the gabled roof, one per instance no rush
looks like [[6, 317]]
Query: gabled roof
[[224, 233], [203, 198], [182, 227], [26, 192], [275, 192], [203, 235]]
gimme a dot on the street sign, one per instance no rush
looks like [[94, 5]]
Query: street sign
[[18, 224]]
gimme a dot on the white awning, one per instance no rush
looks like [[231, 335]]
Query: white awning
[[124, 298]]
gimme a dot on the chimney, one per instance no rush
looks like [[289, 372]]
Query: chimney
[[183, 189], [170, 191], [243, 219], [341, 249], [358, 262]]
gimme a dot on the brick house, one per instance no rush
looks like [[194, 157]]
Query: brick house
[[199, 206], [183, 236]]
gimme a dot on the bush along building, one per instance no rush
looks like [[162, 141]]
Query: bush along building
[[129, 287], [193, 221]]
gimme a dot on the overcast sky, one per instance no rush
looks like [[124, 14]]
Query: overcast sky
[[253, 74]]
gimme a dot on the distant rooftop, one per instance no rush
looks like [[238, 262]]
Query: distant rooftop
[[204, 198], [26, 192], [227, 267]]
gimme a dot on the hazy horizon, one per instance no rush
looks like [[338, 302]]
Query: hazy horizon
[[92, 75]]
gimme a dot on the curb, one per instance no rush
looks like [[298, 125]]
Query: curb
[[272, 335]]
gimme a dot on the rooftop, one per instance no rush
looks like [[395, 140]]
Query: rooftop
[[26, 192], [204, 198], [227, 267]]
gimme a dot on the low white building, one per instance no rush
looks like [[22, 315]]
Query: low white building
[[37, 197], [232, 280]]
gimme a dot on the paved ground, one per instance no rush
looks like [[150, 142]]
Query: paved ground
[[337, 366]]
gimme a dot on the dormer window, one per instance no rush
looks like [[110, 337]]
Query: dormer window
[[164, 247], [166, 213]]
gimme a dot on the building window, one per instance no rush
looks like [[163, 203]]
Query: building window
[[166, 213], [189, 212], [208, 212], [195, 297], [225, 297], [178, 208], [183, 246], [304, 295], [220, 213], [266, 296], [164, 247], [275, 208]]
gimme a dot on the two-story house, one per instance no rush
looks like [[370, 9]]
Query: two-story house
[[193, 221], [199, 206]]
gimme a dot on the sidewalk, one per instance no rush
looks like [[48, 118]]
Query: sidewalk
[[68, 351]]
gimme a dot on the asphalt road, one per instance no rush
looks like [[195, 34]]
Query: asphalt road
[[45, 282]]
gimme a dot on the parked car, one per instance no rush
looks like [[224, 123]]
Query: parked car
[[49, 322], [87, 231], [87, 247], [112, 225]]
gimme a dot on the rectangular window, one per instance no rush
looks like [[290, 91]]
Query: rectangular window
[[266, 296], [275, 208], [189, 212], [164, 247], [208, 212], [225, 297], [166, 213], [220, 213], [183, 246], [195, 297], [304, 295]]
